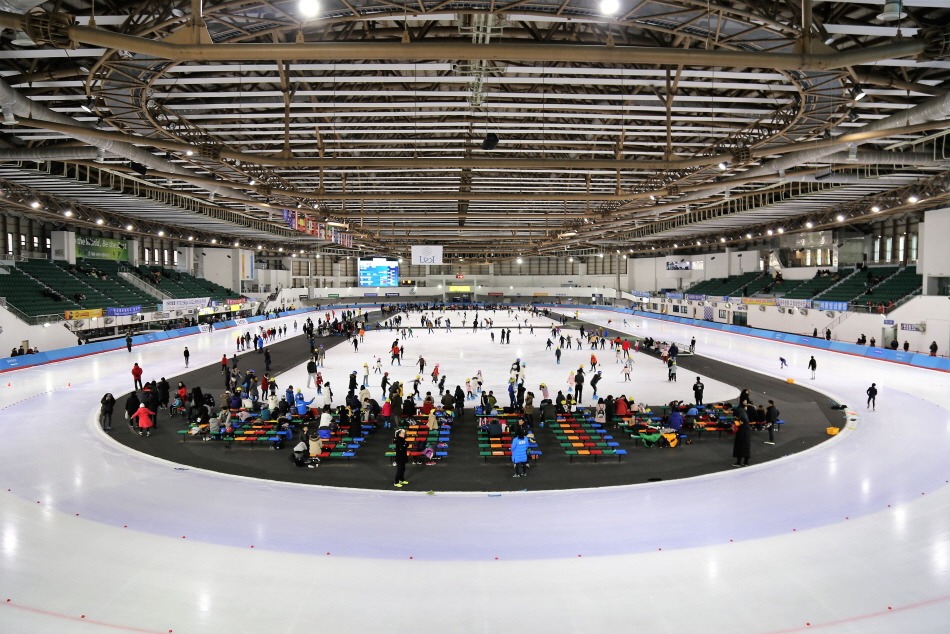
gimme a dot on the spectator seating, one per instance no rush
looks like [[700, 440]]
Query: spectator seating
[[48, 273], [731, 286], [896, 287], [25, 294], [500, 446], [584, 438], [119, 290], [855, 284], [418, 437], [812, 287], [181, 285]]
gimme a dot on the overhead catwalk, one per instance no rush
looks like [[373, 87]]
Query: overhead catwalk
[[851, 535]]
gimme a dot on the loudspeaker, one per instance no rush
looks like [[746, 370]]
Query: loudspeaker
[[490, 142]]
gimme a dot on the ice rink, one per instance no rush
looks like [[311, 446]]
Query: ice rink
[[851, 536]]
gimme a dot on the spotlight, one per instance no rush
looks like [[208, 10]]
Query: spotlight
[[129, 227], [839, 218], [748, 236], [490, 142], [87, 105], [100, 221], [609, 7], [858, 94], [191, 238], [722, 239], [780, 230], [913, 199], [519, 261], [214, 241], [876, 209], [161, 234], [723, 166], [236, 243], [35, 204], [68, 213], [809, 224]]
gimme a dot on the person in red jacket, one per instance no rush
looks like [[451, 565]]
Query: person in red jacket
[[145, 422], [137, 376]]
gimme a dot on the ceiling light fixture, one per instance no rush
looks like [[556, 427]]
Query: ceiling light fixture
[[857, 93], [100, 221], [876, 209], [723, 166], [913, 199], [191, 238], [161, 234], [809, 224], [129, 227], [214, 241], [68, 213], [839, 218], [893, 11], [308, 8], [87, 105], [609, 7]]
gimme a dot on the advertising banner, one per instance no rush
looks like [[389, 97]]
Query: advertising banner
[[83, 314], [121, 311], [793, 303], [460, 289], [695, 298], [914, 327], [392, 294], [102, 248], [426, 254], [185, 304], [232, 302], [840, 306], [758, 301]]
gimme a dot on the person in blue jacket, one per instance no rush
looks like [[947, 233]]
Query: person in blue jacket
[[519, 454], [289, 394], [301, 405]]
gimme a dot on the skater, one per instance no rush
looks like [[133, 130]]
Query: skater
[[105, 411], [187, 356], [771, 418], [401, 458], [812, 365], [579, 384], [692, 345], [557, 355], [872, 396], [128, 341], [782, 362], [698, 388], [137, 376]]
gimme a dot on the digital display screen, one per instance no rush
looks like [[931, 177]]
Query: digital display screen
[[378, 271], [681, 265]]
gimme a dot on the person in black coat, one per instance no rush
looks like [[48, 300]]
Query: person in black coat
[[459, 401], [401, 458], [105, 412], [163, 392], [742, 446], [131, 405]]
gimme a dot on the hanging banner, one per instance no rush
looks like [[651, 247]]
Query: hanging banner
[[102, 249], [758, 301], [426, 254], [793, 303]]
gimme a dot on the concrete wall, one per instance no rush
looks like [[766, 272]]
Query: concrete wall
[[933, 242], [14, 332]]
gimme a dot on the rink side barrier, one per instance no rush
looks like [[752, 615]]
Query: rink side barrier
[[915, 359], [74, 352]]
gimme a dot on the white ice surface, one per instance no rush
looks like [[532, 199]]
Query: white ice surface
[[851, 536]]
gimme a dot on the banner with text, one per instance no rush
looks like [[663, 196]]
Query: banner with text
[[758, 301], [83, 314], [426, 254], [185, 304], [102, 248], [120, 311], [793, 303]]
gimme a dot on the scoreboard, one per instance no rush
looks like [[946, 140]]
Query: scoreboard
[[378, 271]]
